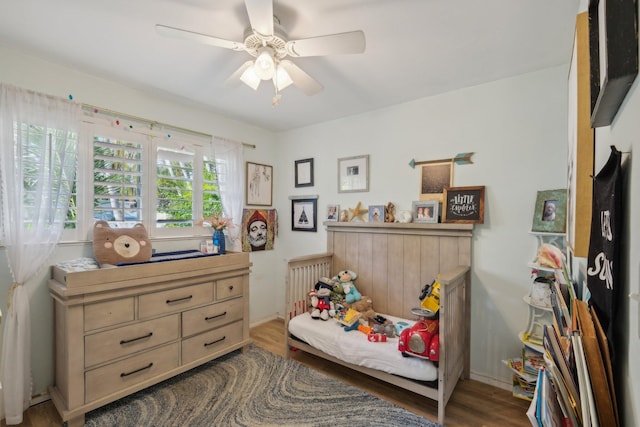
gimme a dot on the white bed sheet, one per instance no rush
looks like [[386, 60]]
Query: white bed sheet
[[354, 347]]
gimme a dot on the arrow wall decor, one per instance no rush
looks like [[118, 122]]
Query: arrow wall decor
[[460, 159]]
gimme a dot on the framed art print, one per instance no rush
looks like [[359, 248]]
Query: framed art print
[[613, 45], [353, 174], [434, 177], [259, 184], [464, 205], [304, 173], [304, 214]]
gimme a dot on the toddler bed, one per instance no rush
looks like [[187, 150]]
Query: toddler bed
[[393, 262]]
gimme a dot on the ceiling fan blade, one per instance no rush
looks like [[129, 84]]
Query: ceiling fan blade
[[351, 42], [302, 80], [234, 79], [165, 30], [261, 16]]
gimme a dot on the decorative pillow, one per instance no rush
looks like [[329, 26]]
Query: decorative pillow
[[118, 245]]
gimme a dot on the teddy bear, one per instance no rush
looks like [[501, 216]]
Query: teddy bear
[[345, 278], [321, 305], [364, 306], [120, 245]]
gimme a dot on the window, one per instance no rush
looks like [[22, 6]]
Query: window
[[135, 174], [39, 144]]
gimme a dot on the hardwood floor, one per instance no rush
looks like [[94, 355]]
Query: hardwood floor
[[472, 403]]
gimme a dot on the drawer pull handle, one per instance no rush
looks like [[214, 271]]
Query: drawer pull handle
[[215, 317], [230, 287], [207, 344], [122, 342], [126, 374], [171, 301]]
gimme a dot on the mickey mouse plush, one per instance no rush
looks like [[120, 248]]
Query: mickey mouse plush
[[321, 305]]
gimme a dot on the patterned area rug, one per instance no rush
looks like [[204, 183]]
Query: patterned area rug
[[256, 389]]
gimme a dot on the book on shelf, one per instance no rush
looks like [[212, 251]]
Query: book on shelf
[[517, 367], [533, 412], [563, 362], [550, 411], [532, 360], [569, 407]]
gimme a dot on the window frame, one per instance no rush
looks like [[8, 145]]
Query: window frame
[[150, 140]]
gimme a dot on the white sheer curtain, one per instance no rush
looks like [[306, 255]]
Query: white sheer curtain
[[38, 136], [230, 161]]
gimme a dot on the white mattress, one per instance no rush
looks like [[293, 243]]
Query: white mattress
[[355, 348]]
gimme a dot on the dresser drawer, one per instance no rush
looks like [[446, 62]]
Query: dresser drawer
[[126, 373], [108, 313], [173, 300], [211, 316], [211, 342], [229, 288], [108, 345]]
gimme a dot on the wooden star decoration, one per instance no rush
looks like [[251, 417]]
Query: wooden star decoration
[[357, 212]]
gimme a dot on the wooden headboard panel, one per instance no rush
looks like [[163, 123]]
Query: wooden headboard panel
[[404, 256]]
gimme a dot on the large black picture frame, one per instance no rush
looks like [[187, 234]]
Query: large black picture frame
[[613, 47]]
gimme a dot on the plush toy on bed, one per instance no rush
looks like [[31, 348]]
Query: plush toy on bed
[[364, 306], [346, 278], [321, 305], [119, 245]]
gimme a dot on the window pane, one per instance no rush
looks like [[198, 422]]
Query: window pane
[[117, 180], [174, 187]]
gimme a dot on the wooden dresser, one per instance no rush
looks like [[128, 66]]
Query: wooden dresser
[[119, 330]]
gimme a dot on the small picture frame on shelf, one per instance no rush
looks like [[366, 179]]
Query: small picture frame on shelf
[[333, 212], [464, 205], [376, 213], [426, 211], [550, 214]]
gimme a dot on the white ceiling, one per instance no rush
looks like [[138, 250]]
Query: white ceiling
[[414, 48]]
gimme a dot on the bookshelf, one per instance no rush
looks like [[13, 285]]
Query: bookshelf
[[538, 301]]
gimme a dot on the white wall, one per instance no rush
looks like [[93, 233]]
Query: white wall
[[46, 77], [518, 130]]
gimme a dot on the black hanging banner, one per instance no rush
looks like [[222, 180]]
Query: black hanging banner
[[603, 262]]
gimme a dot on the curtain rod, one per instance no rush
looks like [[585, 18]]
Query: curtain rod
[[156, 123]]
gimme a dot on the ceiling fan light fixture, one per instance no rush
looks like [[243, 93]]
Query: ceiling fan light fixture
[[282, 79], [250, 78], [265, 65]]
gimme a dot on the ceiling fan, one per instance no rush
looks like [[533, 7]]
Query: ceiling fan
[[267, 42]]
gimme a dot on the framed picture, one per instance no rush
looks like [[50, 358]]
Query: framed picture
[[550, 214], [259, 228], [304, 214], [426, 211], [464, 205], [259, 184], [613, 45], [333, 211], [353, 174], [304, 173], [376, 213], [434, 177]]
